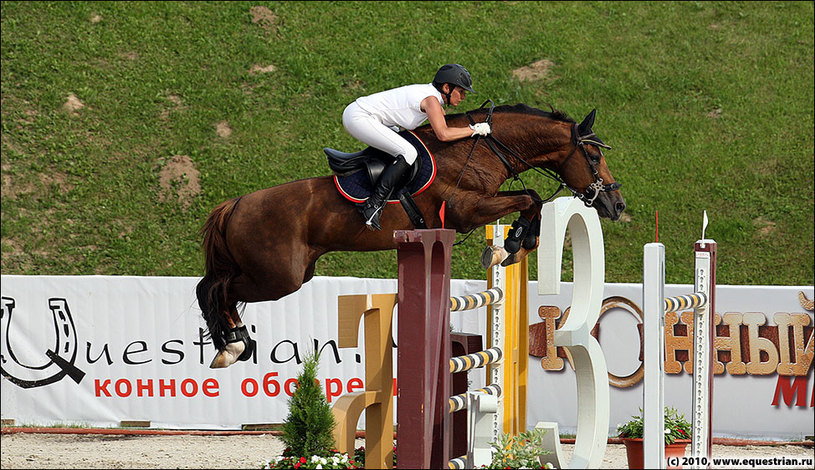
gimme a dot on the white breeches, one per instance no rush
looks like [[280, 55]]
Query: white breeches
[[368, 129]]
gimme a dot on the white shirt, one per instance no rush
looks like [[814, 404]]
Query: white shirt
[[400, 106]]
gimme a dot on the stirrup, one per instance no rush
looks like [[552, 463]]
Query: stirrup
[[373, 221], [241, 334]]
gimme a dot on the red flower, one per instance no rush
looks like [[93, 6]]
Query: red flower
[[302, 460]]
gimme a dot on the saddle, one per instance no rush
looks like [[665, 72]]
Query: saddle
[[356, 175], [370, 159]]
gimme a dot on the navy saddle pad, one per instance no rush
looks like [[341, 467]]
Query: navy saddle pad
[[356, 187]]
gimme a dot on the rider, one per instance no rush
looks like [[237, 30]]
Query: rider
[[374, 119]]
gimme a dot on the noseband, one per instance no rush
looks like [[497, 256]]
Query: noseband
[[592, 191]]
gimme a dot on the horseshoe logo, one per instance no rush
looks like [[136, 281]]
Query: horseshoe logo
[[54, 364]]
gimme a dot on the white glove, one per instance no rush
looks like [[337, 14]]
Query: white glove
[[480, 128]]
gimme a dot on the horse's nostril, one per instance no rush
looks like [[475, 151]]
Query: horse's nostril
[[620, 207]]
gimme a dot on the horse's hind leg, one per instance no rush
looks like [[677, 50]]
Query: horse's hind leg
[[277, 282], [239, 346]]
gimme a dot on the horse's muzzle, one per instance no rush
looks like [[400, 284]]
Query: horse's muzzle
[[610, 205]]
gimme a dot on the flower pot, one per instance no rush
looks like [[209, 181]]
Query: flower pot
[[634, 451]]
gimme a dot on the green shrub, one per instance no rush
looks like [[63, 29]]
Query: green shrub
[[308, 428]]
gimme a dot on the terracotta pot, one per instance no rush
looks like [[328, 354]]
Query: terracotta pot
[[633, 449]]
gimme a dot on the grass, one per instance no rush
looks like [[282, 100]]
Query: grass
[[50, 426], [708, 105]]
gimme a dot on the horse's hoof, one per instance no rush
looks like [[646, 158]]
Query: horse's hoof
[[492, 255], [220, 361], [228, 356], [509, 260]]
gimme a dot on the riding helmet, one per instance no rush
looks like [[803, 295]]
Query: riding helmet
[[455, 74]]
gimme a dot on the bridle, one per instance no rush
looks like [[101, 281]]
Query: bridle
[[592, 191]]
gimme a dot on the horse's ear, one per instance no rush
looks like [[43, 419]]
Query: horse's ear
[[585, 126]]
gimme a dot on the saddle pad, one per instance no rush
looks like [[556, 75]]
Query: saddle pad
[[357, 188]]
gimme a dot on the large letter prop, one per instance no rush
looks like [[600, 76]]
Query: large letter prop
[[377, 399], [587, 299]]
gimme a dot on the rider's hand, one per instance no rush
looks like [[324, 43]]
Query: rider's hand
[[480, 128]]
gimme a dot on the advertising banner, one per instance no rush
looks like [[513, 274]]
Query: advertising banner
[[99, 350]]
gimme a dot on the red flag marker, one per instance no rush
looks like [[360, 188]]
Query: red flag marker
[[656, 233]]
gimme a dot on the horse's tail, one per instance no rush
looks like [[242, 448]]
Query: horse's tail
[[221, 269]]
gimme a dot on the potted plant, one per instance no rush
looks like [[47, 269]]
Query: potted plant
[[521, 451], [677, 437]]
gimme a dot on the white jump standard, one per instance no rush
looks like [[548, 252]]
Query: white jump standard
[[655, 306]]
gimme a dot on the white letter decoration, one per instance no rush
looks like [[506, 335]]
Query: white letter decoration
[[587, 299]]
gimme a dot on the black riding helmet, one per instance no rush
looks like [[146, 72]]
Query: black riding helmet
[[454, 74]]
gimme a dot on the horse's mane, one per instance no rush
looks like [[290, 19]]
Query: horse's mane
[[522, 108]]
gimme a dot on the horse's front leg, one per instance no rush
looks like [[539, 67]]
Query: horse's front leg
[[523, 237]]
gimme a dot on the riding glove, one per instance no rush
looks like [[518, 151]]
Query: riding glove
[[480, 128]]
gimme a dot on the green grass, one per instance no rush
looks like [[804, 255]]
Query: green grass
[[50, 426], [708, 105]]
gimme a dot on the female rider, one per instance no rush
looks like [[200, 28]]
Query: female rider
[[373, 118]]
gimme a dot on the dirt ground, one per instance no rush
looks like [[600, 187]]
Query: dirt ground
[[23, 450]]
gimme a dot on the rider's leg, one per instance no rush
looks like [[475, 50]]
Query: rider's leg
[[390, 177], [368, 129]]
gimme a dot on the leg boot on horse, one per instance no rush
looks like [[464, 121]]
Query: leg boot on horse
[[234, 344], [389, 179], [523, 234], [239, 347]]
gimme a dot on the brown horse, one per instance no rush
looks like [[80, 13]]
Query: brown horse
[[264, 245]]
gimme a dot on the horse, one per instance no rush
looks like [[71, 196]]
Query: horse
[[264, 245]]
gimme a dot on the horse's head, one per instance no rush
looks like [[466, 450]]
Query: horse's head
[[589, 177], [574, 151]]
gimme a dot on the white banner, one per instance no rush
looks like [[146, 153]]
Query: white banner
[[98, 350]]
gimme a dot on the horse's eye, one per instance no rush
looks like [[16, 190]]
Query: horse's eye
[[595, 157]]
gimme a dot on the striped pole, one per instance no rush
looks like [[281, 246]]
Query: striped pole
[[460, 462], [473, 301], [459, 402], [683, 302], [475, 360]]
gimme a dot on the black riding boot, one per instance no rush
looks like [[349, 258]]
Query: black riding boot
[[374, 205]]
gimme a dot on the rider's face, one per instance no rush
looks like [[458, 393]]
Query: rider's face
[[457, 96]]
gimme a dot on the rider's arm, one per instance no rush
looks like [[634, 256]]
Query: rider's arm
[[435, 114]]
